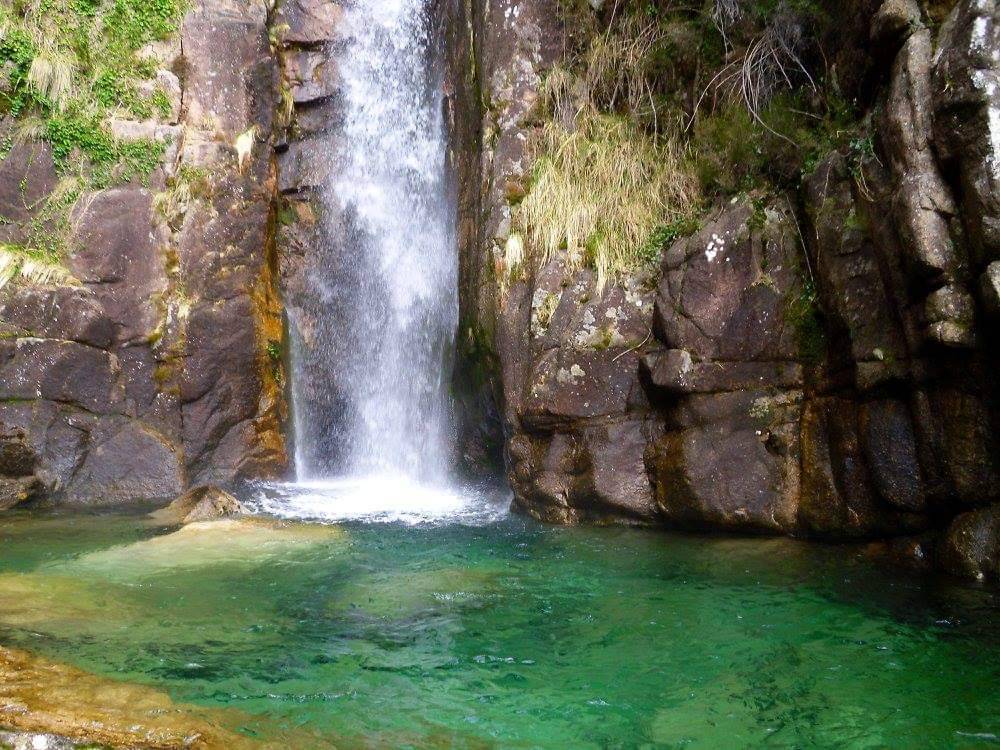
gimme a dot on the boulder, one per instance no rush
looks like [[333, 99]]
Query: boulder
[[970, 547], [205, 503]]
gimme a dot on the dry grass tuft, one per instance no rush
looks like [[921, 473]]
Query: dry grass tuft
[[30, 268], [600, 191], [52, 73]]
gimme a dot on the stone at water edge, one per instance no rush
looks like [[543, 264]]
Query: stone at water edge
[[970, 547], [206, 503], [32, 741]]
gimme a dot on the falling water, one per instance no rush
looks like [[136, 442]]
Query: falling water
[[387, 276]]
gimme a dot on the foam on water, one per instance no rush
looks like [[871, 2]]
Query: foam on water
[[382, 499]]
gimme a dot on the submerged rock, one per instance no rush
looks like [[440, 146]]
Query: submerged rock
[[56, 707], [202, 504]]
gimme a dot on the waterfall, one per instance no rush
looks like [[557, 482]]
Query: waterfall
[[379, 359]]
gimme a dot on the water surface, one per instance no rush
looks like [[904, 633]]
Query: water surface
[[509, 634]]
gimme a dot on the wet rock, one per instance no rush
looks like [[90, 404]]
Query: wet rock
[[595, 473], [313, 75], [39, 698], [201, 504], [855, 297], [838, 497], [309, 21], [732, 462], [305, 165], [914, 552], [970, 547], [890, 450]]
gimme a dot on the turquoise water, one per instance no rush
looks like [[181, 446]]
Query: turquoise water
[[510, 634]]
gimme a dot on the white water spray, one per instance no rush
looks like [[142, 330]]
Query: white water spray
[[390, 262], [371, 366]]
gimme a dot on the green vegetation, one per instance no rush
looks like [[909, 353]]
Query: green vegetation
[[68, 67], [804, 313], [600, 191], [661, 109]]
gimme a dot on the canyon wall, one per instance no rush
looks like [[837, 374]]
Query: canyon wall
[[151, 361], [818, 362]]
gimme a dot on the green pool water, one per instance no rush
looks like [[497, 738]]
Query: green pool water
[[511, 634]]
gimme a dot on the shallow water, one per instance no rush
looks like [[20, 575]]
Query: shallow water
[[509, 633]]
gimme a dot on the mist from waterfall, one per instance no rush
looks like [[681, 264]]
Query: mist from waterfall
[[378, 362]]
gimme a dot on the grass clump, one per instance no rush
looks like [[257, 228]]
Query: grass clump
[[31, 266], [600, 190], [188, 185], [663, 108]]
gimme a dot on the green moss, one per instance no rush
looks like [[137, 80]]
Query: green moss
[[667, 234], [479, 361], [803, 312]]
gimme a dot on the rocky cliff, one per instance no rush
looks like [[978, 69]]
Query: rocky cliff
[[140, 329], [810, 355]]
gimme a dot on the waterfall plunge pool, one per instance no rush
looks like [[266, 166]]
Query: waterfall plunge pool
[[496, 631]]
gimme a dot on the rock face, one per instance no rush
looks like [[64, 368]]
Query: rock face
[[156, 370], [818, 363]]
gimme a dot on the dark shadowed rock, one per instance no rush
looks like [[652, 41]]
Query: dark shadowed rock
[[205, 503], [732, 462], [18, 461], [989, 290], [125, 463], [970, 547]]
